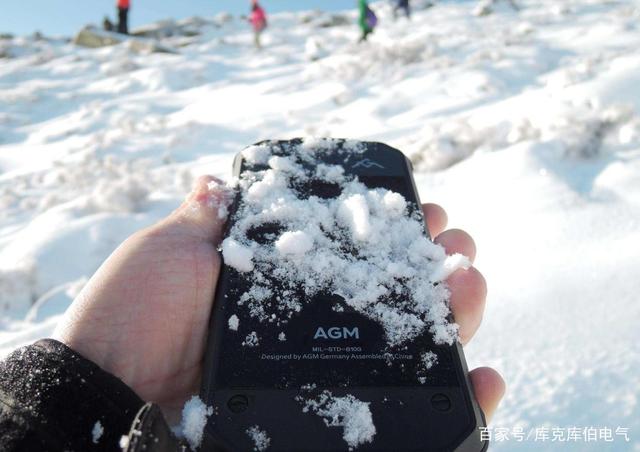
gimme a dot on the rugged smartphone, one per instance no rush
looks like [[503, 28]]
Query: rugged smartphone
[[258, 392]]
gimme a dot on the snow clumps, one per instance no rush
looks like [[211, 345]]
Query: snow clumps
[[194, 418], [222, 198], [353, 415], [96, 432], [304, 228], [259, 437], [233, 322], [237, 255], [251, 340], [124, 442], [295, 243], [427, 361]]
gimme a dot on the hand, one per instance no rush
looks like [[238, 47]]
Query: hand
[[468, 297], [144, 315]]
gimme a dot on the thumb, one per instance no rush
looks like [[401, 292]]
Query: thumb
[[203, 214]]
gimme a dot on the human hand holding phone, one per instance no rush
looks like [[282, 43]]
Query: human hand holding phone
[[144, 315]]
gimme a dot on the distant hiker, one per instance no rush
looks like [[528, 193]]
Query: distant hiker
[[107, 25], [258, 19], [367, 19], [123, 16], [402, 5]]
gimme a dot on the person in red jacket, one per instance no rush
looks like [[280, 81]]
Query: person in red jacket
[[258, 19], [123, 16]]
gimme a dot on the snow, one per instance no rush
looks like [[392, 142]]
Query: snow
[[237, 255], [353, 415], [222, 200], [449, 265], [96, 432], [315, 251], [233, 322], [124, 442], [428, 360], [354, 212], [256, 154], [252, 340], [330, 173], [394, 203], [524, 124], [260, 438], [194, 418], [294, 243]]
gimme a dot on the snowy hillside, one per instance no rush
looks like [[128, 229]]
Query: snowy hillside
[[524, 124]]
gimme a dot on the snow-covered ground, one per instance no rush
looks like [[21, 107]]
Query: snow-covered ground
[[524, 125]]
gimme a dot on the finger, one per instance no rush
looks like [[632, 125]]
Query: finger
[[457, 241], [489, 388], [468, 298], [436, 218], [203, 214]]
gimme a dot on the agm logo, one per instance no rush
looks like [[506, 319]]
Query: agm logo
[[367, 163], [337, 333]]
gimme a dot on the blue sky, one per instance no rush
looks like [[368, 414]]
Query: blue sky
[[65, 17]]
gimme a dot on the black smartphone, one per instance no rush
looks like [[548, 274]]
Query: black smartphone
[[330, 330]]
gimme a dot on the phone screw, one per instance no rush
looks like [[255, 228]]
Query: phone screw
[[238, 403], [441, 402]]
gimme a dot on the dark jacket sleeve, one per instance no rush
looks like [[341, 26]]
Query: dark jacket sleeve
[[53, 399]]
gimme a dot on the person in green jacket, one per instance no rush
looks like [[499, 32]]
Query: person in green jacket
[[367, 19]]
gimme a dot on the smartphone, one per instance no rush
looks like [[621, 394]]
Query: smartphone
[[321, 336]]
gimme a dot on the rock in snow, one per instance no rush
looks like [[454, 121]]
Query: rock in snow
[[93, 38]]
